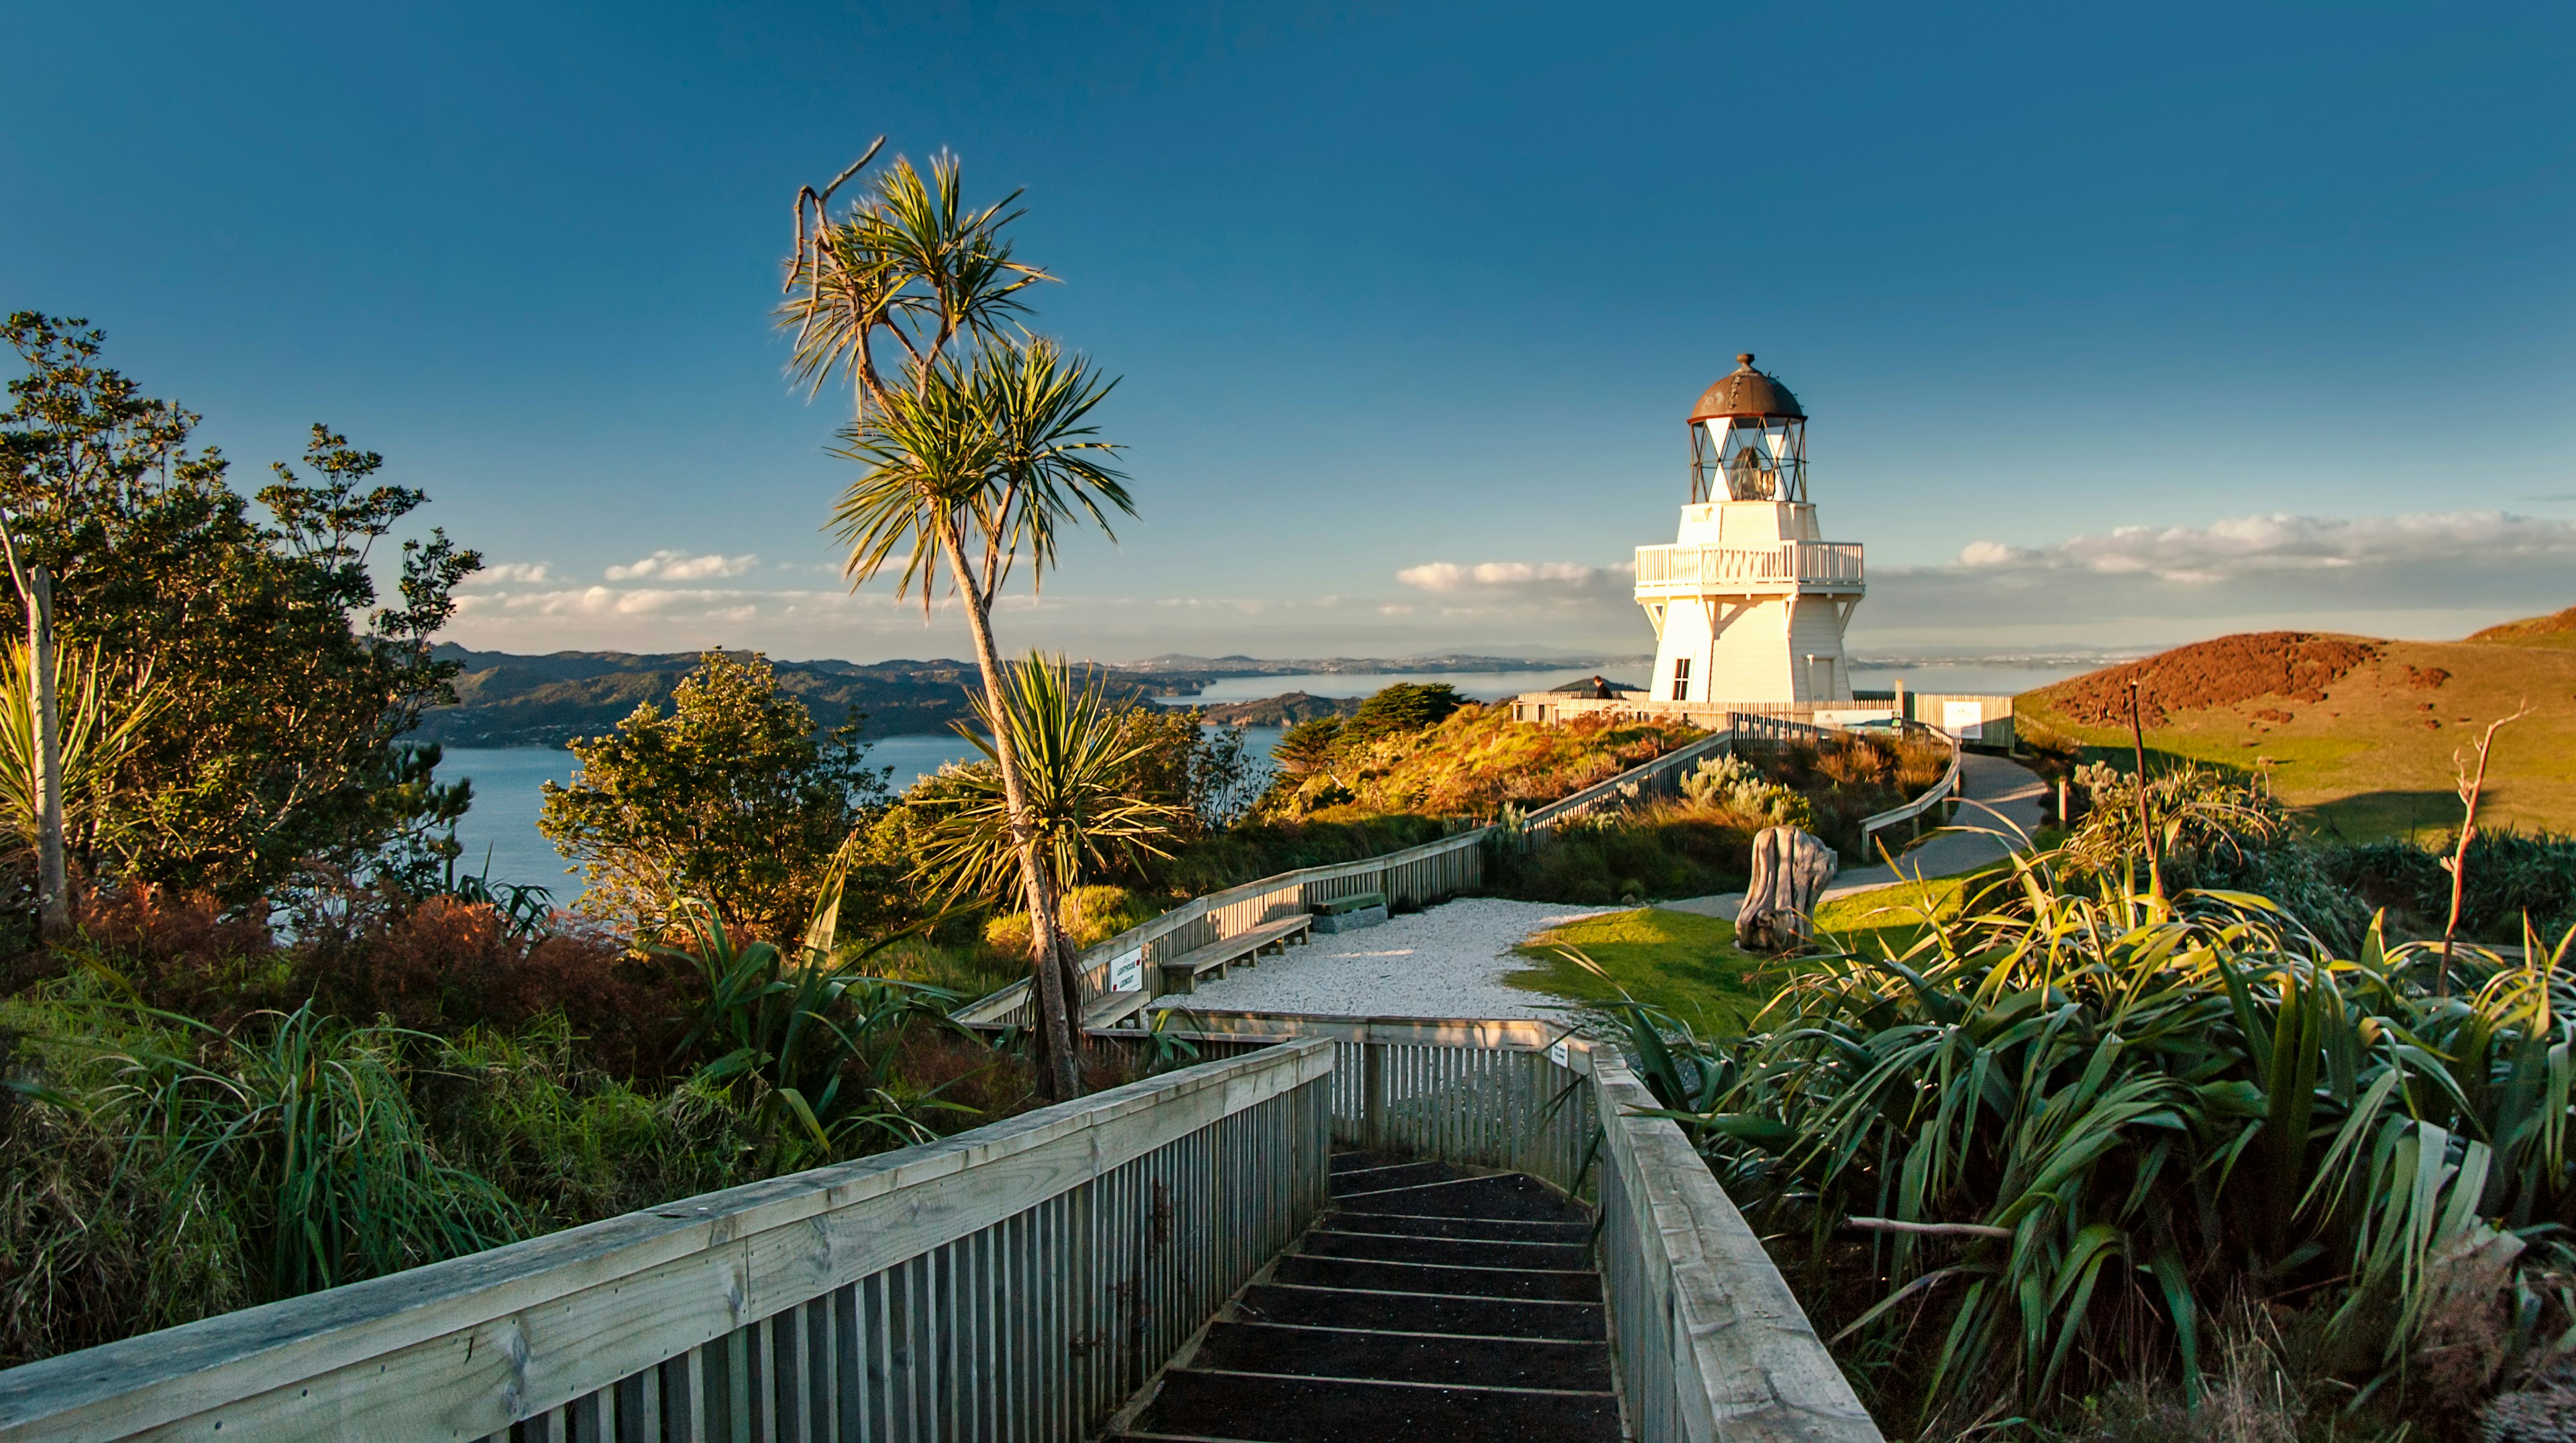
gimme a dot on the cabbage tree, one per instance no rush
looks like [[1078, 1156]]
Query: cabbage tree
[[973, 445]]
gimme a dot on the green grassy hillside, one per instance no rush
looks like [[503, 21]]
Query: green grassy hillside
[[2362, 734]]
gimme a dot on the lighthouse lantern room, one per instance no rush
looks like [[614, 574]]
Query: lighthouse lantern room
[[1749, 603]]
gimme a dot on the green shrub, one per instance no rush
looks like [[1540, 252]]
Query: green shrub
[[1736, 787], [1092, 915], [2115, 1115]]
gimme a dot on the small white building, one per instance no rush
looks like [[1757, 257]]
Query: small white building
[[1750, 602]]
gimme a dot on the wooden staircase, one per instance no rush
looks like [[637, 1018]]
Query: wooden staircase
[[1431, 1301]]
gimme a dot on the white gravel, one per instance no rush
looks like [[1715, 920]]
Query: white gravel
[[1448, 961]]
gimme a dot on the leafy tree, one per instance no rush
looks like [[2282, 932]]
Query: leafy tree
[[732, 797], [973, 446], [1404, 707], [1205, 773], [288, 685], [1309, 746]]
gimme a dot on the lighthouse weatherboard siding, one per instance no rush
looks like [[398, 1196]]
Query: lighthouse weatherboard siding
[[1750, 602]]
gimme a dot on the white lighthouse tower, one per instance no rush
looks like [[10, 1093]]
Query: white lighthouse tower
[[1750, 602]]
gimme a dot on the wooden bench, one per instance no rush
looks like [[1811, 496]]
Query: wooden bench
[[1181, 974]]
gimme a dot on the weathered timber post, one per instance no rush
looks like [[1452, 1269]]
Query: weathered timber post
[[1373, 1092]]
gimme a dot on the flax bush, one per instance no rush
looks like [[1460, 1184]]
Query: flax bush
[[2116, 1114]]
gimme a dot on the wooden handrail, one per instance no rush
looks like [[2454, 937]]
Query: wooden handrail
[[1712, 1344], [1941, 790], [673, 1300], [1564, 808]]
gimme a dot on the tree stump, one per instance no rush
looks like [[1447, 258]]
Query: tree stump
[[1790, 870]]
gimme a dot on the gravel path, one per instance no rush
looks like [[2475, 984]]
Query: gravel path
[[1448, 961]]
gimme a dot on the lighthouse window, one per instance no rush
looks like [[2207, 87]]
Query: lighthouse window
[[1681, 679]]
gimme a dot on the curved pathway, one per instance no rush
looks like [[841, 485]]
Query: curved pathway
[[1998, 813]]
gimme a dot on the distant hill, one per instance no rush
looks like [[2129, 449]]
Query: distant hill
[[507, 699], [2556, 629], [2360, 731], [1183, 675]]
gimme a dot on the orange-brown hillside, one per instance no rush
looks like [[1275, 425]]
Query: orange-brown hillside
[[2366, 733], [2555, 629]]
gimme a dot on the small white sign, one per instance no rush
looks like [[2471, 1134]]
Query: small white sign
[[1561, 1053], [1965, 720], [1127, 973]]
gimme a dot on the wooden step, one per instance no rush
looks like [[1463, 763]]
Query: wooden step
[[1255, 1406], [1462, 1252], [1363, 1275], [1469, 1311], [1513, 1197], [1422, 1312], [1311, 1352]]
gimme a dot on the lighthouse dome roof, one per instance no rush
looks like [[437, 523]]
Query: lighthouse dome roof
[[1746, 392]]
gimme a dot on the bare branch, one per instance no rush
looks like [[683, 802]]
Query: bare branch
[[1928, 1230]]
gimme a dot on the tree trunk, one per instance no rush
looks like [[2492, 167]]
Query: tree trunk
[[1058, 1004], [53, 896]]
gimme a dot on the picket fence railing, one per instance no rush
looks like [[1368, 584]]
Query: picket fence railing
[[1016, 1282]]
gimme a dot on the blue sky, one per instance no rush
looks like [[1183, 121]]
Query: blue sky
[[2118, 325]]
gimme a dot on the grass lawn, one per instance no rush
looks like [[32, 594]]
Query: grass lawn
[[1689, 965]]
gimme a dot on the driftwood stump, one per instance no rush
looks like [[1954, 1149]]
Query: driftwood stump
[[1790, 870]]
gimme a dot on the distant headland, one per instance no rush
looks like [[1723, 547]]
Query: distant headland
[[508, 699]]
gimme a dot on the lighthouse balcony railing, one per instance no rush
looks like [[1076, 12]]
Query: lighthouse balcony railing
[[1688, 569]]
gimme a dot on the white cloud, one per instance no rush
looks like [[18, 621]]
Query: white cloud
[[1562, 576], [2425, 575], [521, 573], [2246, 547], [607, 601], [670, 565], [1991, 553]]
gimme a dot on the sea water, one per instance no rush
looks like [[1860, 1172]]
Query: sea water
[[2004, 676], [508, 781]]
